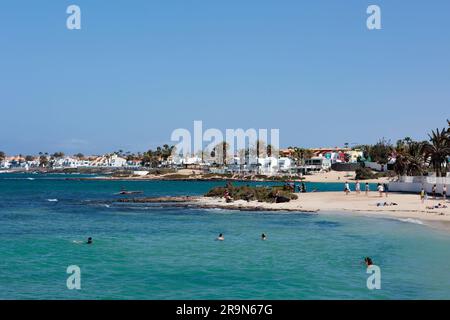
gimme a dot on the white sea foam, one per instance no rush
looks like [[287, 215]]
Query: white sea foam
[[411, 220], [52, 200]]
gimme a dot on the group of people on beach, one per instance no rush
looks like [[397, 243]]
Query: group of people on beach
[[381, 188], [424, 194]]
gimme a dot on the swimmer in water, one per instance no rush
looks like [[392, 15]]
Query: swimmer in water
[[368, 261], [220, 237], [89, 240], [263, 236]]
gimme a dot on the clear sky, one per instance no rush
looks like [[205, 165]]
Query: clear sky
[[137, 70]]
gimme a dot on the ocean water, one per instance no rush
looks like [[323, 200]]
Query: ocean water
[[144, 251]]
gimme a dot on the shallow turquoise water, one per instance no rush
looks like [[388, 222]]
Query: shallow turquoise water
[[154, 252]]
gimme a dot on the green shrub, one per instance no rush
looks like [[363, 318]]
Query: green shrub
[[364, 174]]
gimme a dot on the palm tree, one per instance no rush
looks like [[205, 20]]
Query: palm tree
[[401, 163], [150, 159], [43, 161], [302, 154], [415, 165], [437, 151], [409, 158], [270, 150], [220, 152]]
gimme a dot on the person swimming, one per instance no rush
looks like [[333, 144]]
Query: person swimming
[[220, 237], [368, 261], [89, 240], [263, 236]]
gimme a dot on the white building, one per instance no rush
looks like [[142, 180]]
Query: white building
[[69, 162], [109, 161], [285, 164], [267, 165], [317, 164], [187, 160]]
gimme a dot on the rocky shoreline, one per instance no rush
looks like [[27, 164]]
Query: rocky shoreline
[[199, 202]]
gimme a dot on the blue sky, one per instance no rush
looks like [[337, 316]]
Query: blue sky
[[137, 70]]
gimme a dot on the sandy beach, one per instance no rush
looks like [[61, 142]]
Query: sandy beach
[[339, 176], [409, 206]]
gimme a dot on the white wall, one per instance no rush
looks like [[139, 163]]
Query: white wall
[[415, 184]]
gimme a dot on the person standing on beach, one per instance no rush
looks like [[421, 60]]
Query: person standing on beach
[[346, 188], [357, 187], [380, 189], [367, 189], [385, 187], [422, 195], [433, 192], [444, 192]]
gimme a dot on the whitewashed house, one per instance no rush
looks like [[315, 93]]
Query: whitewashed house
[[109, 161], [317, 164], [285, 164], [268, 165], [187, 160], [66, 162]]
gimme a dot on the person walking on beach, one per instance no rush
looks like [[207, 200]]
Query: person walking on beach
[[385, 187], [422, 195], [346, 188], [433, 191], [444, 192], [380, 189], [367, 189], [357, 187]]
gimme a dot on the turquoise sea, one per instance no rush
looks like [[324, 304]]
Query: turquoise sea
[[144, 251]]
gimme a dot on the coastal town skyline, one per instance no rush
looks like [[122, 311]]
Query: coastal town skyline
[[132, 74]]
